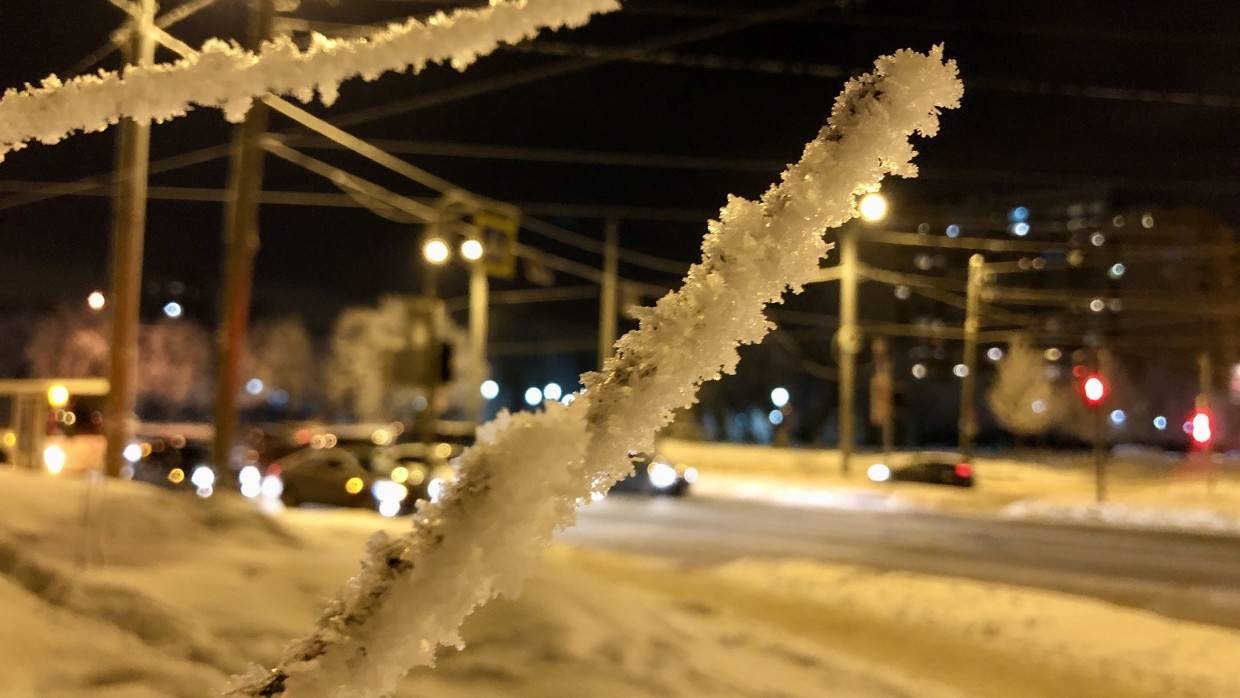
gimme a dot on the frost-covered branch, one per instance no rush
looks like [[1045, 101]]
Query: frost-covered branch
[[528, 472], [226, 76]]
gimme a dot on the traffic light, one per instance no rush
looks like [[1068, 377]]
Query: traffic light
[[1201, 428], [1094, 389]]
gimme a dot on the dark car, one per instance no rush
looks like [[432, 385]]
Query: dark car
[[172, 462], [341, 476], [656, 477], [932, 469]]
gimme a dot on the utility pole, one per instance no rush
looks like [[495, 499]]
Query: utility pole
[[968, 382], [848, 342], [607, 295], [128, 236], [479, 291], [241, 244], [882, 394]]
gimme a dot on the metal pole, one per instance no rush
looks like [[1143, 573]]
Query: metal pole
[[607, 296], [241, 244], [479, 293], [128, 233], [968, 382], [848, 343]]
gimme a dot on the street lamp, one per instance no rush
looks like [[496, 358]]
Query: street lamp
[[436, 251], [779, 396], [96, 300], [471, 250], [873, 207]]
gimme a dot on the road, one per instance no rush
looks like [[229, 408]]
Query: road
[[1191, 577]]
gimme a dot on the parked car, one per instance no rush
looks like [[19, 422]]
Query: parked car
[[175, 462], [930, 468], [656, 477], [340, 476]]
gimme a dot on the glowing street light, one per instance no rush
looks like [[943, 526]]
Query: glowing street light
[[173, 309], [57, 396], [780, 396], [489, 389], [533, 397], [96, 300], [471, 250], [552, 391], [873, 207], [436, 251]]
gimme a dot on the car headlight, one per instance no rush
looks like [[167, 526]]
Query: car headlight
[[388, 491], [691, 475], [54, 459], [878, 472], [661, 475]]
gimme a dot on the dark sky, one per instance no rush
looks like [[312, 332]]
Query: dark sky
[[1025, 128]]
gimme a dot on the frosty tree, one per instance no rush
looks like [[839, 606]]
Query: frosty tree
[[282, 357], [1023, 398], [529, 471]]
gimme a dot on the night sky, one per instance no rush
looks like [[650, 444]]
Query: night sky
[[1020, 133]]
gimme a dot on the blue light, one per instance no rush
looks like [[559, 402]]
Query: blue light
[[953, 231], [1118, 417], [776, 417], [1020, 214], [1160, 423], [254, 386], [172, 309]]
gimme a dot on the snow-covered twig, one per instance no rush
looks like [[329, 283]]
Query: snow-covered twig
[[528, 472], [226, 76]]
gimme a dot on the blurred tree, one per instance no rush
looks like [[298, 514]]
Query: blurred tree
[[1023, 396], [281, 357]]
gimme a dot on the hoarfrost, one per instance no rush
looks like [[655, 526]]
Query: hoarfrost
[[528, 471], [225, 76]]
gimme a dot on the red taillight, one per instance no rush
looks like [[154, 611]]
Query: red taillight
[[964, 470], [273, 469]]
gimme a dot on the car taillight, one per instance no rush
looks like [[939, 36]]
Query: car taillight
[[273, 469], [964, 470]]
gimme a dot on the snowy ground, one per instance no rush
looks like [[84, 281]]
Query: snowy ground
[[176, 593], [1145, 489]]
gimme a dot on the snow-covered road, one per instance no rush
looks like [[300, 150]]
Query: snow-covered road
[[1186, 576]]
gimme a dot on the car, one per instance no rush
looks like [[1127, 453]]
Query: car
[[423, 470], [176, 463], [340, 476], [656, 477], [949, 469]]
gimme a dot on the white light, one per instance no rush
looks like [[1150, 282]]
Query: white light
[[386, 490], [434, 489], [471, 250], [1160, 423], [878, 472], [489, 389], [1147, 220], [919, 371], [250, 475], [780, 396], [1097, 305], [776, 417], [251, 489], [1097, 239], [54, 459], [1117, 270], [254, 386], [203, 477], [953, 231], [1201, 430], [1052, 354], [1020, 230], [1038, 406], [661, 475], [533, 397], [960, 370], [96, 300], [568, 399], [553, 391], [691, 475], [173, 309], [205, 492], [903, 292], [873, 207], [435, 251], [132, 453], [1118, 417], [272, 487], [994, 354], [1095, 389], [389, 508]]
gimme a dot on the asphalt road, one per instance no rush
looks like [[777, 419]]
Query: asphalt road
[[1193, 577]]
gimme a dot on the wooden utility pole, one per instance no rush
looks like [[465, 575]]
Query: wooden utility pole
[[968, 382], [241, 244], [607, 296], [128, 236], [848, 342]]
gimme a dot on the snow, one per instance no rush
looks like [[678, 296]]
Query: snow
[[194, 589], [226, 76], [524, 478], [1145, 491]]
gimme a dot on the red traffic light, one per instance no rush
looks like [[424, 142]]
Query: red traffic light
[[1095, 390], [1201, 428]]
